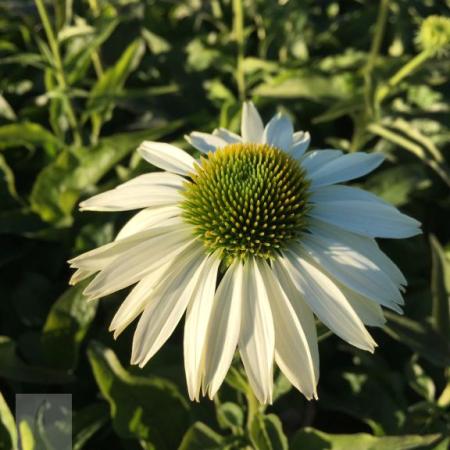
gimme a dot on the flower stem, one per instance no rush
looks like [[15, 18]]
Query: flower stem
[[406, 70], [59, 68], [238, 28]]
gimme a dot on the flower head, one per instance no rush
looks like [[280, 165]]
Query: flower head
[[248, 242], [434, 34]]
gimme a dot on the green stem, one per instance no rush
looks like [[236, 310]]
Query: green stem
[[406, 70], [60, 76], [380, 26], [238, 28], [252, 405]]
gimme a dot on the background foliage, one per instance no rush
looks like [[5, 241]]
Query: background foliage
[[83, 82]]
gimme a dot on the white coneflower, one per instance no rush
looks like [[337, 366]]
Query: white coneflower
[[250, 241]]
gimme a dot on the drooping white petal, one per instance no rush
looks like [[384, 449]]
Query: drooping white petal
[[345, 168], [301, 140], [368, 311], [302, 310], [136, 300], [328, 302], [228, 136], [132, 265], [257, 336], [352, 269], [278, 132], [292, 350], [205, 142], [365, 245], [367, 219], [196, 326], [314, 160], [131, 197], [252, 127], [338, 192], [149, 218], [223, 329], [100, 257], [167, 157], [167, 305]]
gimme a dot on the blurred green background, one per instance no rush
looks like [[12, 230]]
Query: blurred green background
[[83, 82]]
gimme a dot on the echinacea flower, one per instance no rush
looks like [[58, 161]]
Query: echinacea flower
[[249, 242]]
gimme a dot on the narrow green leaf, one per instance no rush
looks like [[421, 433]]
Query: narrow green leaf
[[8, 430], [420, 337], [266, 433], [440, 288], [200, 437], [27, 134], [87, 422], [311, 439]]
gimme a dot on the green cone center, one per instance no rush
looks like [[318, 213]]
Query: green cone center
[[246, 199]]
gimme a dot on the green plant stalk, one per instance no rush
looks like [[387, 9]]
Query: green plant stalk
[[252, 407], [54, 48], [377, 40], [405, 71], [95, 57], [238, 28]]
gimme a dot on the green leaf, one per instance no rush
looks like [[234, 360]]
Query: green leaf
[[87, 422], [266, 433], [420, 337], [311, 439], [440, 288], [13, 368], [146, 408], [59, 185], [28, 134], [230, 415], [8, 430], [26, 436], [420, 381], [396, 185], [100, 103], [201, 437], [66, 326]]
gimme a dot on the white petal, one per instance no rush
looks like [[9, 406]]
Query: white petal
[[132, 265], [367, 218], [338, 192], [301, 143], [167, 305], [293, 354], [156, 178], [205, 142], [137, 300], [100, 257], [131, 197], [302, 310], [223, 329], [252, 127], [227, 136], [278, 132], [196, 326], [80, 275], [149, 218], [368, 311], [365, 245], [313, 161], [257, 336], [347, 167], [328, 302], [167, 157], [352, 269]]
